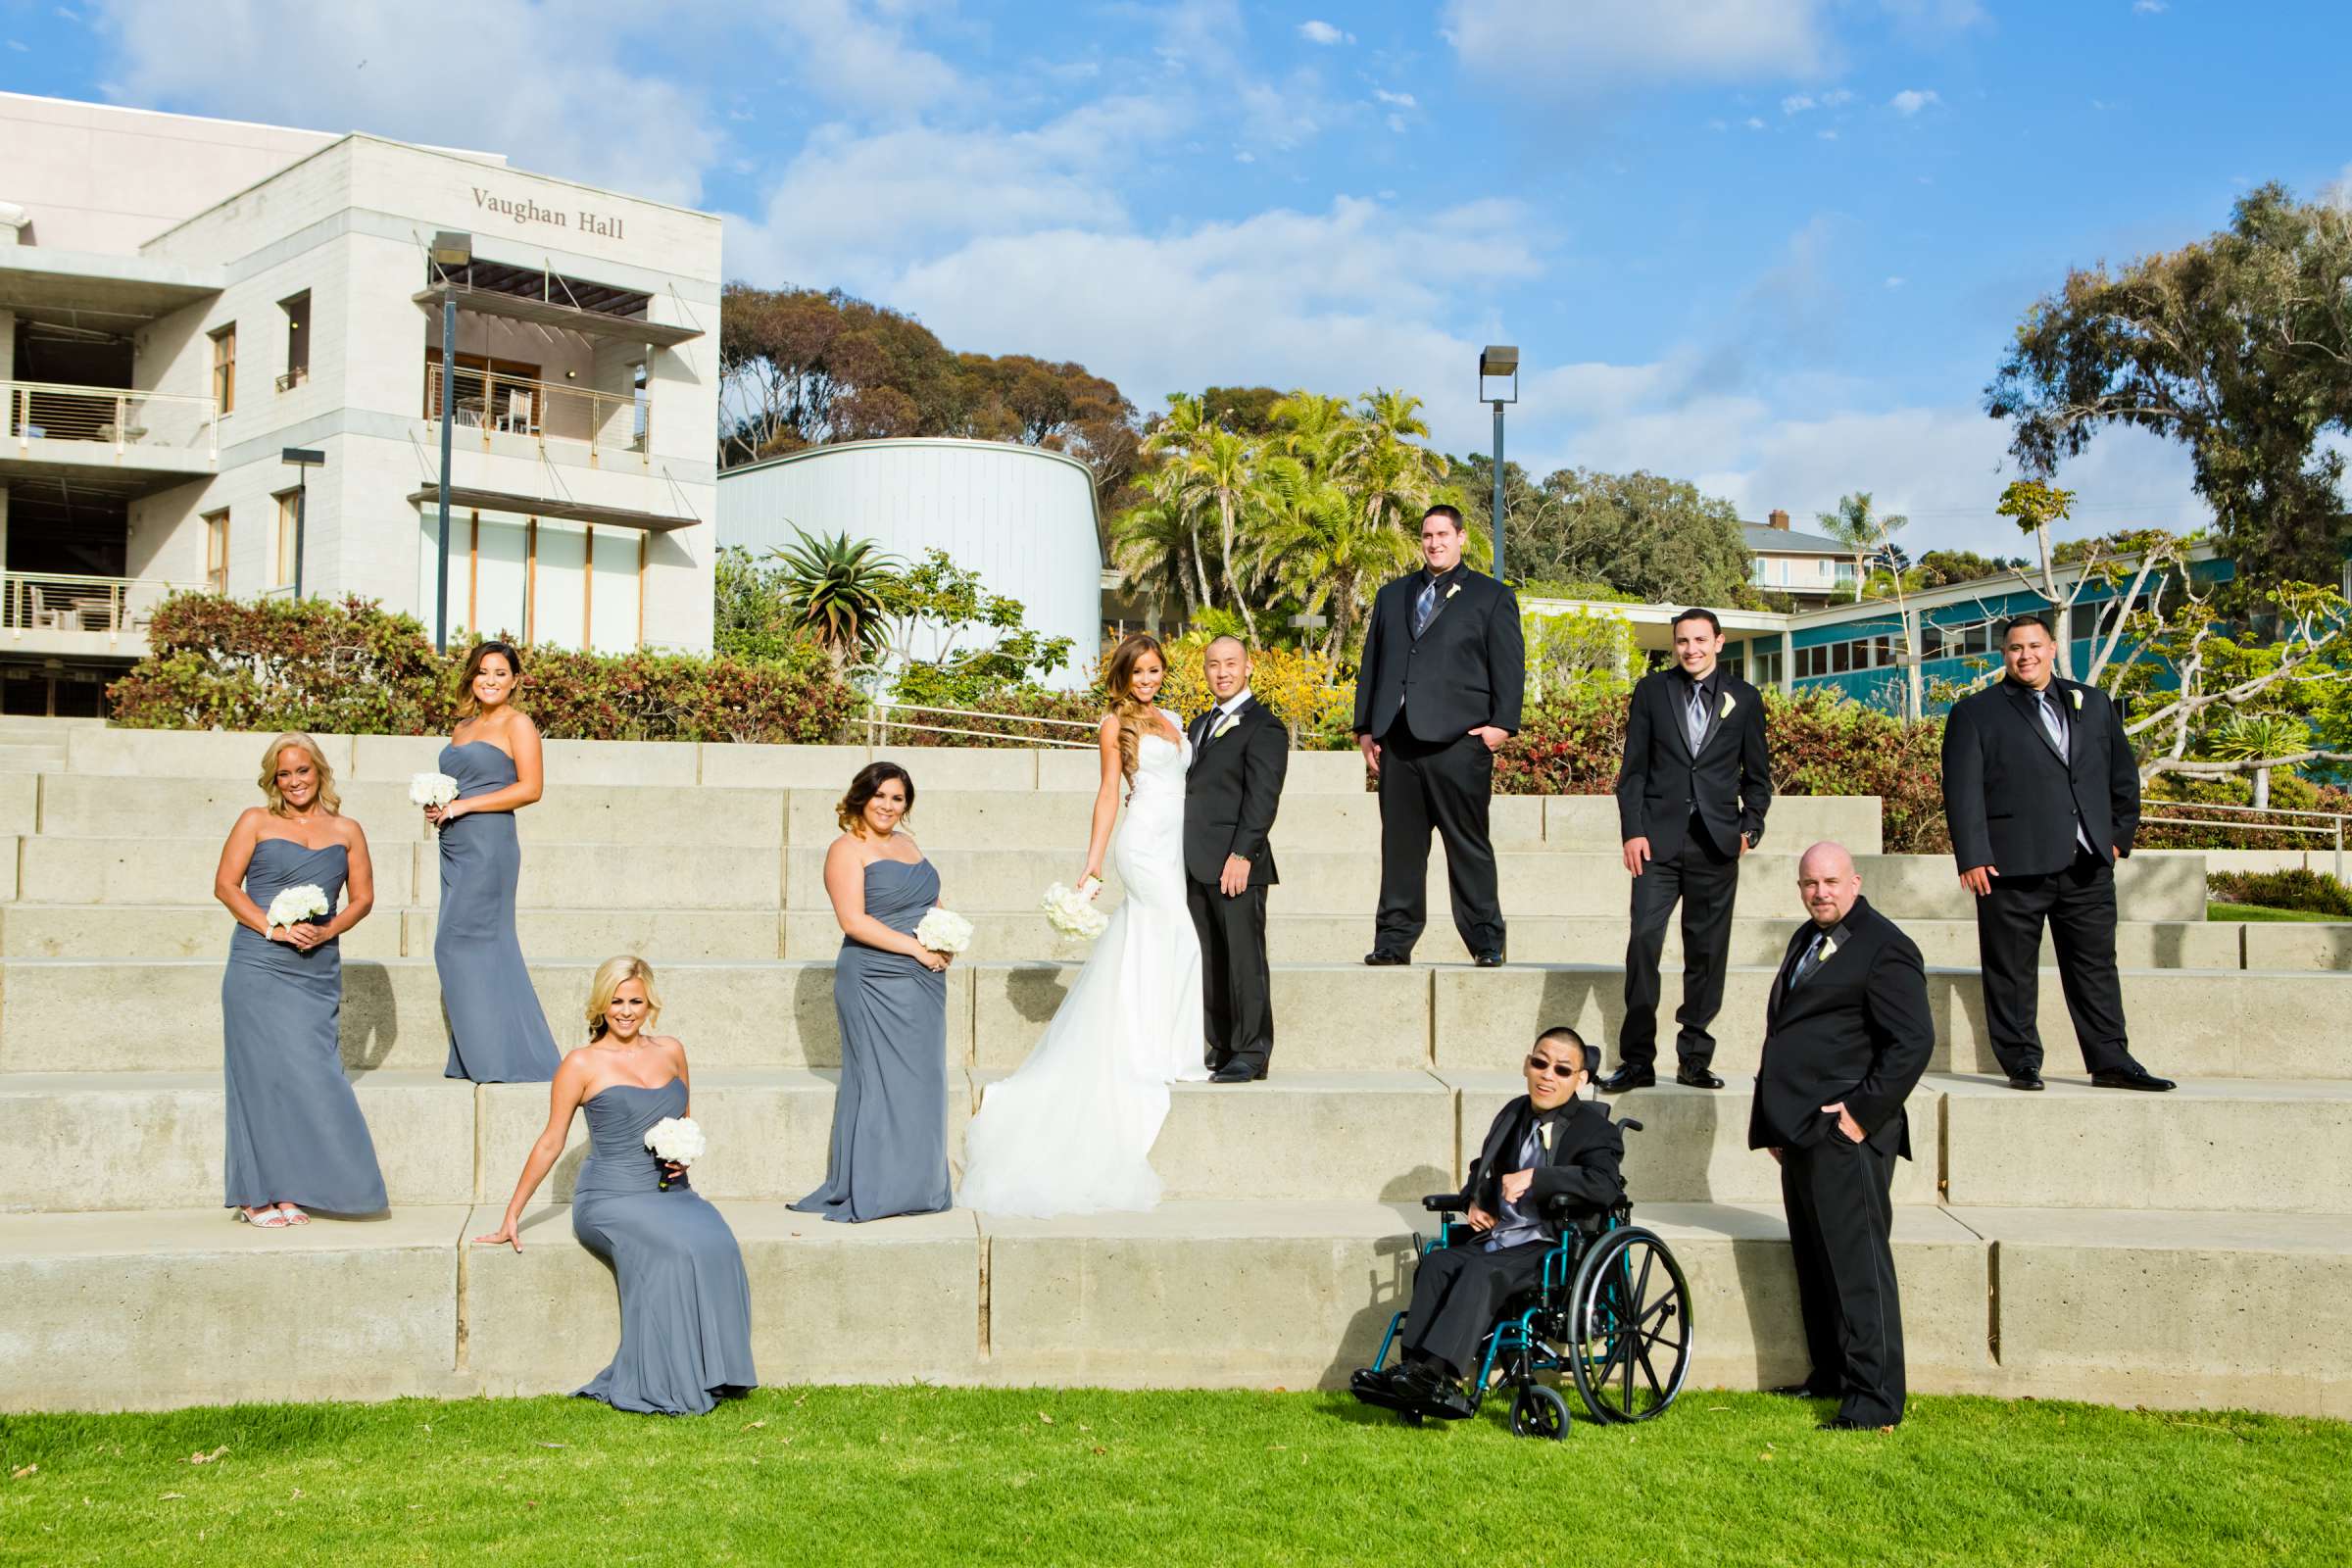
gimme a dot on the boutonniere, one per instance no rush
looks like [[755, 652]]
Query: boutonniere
[[1452, 589], [2078, 697], [1544, 1132], [1829, 949], [1225, 721], [1725, 711]]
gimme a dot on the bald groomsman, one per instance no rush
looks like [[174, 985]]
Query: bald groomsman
[[2041, 793]]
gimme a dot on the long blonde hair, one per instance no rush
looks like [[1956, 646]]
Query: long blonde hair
[[611, 976], [1118, 679], [296, 740]]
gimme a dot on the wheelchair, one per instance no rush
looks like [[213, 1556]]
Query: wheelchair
[[1612, 1313]]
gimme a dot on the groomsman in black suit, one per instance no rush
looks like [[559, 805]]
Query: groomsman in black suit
[[1436, 692], [1846, 1035], [1690, 802], [2041, 793], [1240, 755]]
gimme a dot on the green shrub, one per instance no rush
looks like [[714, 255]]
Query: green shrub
[[2300, 888], [354, 669]]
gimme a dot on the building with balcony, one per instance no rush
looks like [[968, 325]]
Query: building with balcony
[[1809, 568], [183, 300]]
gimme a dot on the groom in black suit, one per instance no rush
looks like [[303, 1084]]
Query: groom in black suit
[[1437, 691], [1240, 755]]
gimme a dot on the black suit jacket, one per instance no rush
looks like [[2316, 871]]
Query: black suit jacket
[[2009, 799], [1728, 783], [1467, 669], [1230, 793], [1858, 1030], [1580, 1167]]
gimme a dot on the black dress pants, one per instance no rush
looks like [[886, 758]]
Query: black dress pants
[[1447, 785], [1236, 994], [1457, 1294], [2078, 903], [1706, 882], [1838, 1196]]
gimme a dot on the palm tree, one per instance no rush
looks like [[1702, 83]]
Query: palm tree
[[2251, 737], [1153, 545], [1222, 472], [1176, 438], [1389, 477], [1316, 548], [836, 591], [1855, 526]]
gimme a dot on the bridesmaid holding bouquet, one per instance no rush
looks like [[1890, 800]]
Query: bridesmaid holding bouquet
[[497, 1032], [295, 1132], [685, 1300]]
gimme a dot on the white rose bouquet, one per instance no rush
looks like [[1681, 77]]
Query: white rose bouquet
[[1071, 913], [944, 931], [305, 900], [675, 1140], [431, 789]]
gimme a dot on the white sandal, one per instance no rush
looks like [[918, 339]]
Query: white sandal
[[292, 1214], [267, 1219]]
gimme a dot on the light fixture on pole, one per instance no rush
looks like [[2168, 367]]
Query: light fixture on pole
[[303, 460], [451, 249], [1498, 362]]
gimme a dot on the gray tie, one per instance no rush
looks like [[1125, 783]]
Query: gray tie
[[1694, 719], [1808, 961], [2050, 722], [1424, 607]]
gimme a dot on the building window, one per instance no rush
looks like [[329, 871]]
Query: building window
[[298, 341], [216, 551], [225, 368], [1767, 667], [289, 534]]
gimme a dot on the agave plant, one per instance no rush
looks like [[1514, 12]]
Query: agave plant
[[2251, 737], [836, 590]]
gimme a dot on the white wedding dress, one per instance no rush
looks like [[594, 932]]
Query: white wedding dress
[[1071, 1131]]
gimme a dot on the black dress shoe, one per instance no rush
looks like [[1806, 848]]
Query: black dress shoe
[[1385, 1388], [2133, 1076], [2029, 1079], [1846, 1423], [1624, 1078], [1431, 1393], [1490, 960], [1380, 957], [1236, 1072], [1697, 1078]]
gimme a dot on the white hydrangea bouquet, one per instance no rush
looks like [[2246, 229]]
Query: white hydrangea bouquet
[[676, 1140], [1072, 912], [305, 900], [944, 931], [431, 789]]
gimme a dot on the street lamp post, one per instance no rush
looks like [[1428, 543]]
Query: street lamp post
[[304, 460], [450, 249], [1498, 362]]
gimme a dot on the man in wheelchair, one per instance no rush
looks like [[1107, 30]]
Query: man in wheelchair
[[1550, 1159]]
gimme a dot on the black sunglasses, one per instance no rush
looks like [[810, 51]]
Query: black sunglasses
[[1558, 1069]]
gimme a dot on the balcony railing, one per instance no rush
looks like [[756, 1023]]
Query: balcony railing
[[489, 403], [117, 416], [62, 601]]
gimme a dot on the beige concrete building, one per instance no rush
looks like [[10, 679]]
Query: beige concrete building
[[183, 300]]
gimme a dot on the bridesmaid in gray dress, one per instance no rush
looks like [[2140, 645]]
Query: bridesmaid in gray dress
[[295, 1132], [685, 1301], [890, 1118], [497, 1032]]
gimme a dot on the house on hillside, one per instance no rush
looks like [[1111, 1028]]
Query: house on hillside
[[1809, 568]]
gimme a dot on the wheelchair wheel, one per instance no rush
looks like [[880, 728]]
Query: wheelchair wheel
[[1630, 1321], [1537, 1411]]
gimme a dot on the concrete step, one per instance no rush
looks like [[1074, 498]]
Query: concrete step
[[85, 1014], [196, 931], [1244, 1294], [30, 757]]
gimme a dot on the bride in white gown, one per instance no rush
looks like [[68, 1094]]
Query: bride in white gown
[[1071, 1131]]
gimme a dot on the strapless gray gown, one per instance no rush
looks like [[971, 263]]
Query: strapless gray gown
[[295, 1132], [890, 1119], [685, 1301], [497, 1032]]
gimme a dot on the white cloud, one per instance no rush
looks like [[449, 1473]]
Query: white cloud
[[1397, 122], [1825, 136], [1709, 40], [1797, 103], [1836, 98], [1753, 124], [2148, 8], [1324, 33], [1401, 100], [1911, 100], [19, 47], [1718, 124], [1894, 282]]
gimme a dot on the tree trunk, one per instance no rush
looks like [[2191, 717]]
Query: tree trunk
[[1225, 519], [2261, 788], [1200, 560]]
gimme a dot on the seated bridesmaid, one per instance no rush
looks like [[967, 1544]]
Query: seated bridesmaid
[[295, 1132], [685, 1301], [497, 1032]]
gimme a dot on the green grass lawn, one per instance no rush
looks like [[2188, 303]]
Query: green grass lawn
[[2256, 912], [917, 1476]]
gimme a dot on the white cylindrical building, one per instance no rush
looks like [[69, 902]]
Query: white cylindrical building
[[1021, 517]]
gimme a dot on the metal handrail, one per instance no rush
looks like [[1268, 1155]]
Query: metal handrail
[[878, 724], [119, 417], [497, 404], [2334, 820], [64, 601]]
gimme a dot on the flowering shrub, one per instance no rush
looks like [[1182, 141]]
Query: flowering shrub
[[354, 668], [2298, 888]]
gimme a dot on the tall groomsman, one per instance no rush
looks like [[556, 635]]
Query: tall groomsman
[[1846, 1034], [2042, 793], [1690, 802], [1437, 691]]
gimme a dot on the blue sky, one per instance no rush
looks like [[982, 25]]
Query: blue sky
[[1773, 246]]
